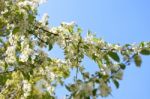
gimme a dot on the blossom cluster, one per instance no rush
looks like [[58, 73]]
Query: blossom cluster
[[25, 64]]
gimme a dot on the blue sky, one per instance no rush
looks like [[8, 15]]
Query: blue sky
[[116, 21]]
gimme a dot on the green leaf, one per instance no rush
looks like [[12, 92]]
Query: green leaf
[[50, 46], [79, 30], [100, 75], [94, 57], [16, 30], [86, 47], [26, 75], [99, 63], [116, 83], [95, 39], [68, 88], [71, 88], [4, 78], [31, 18], [114, 56], [142, 44], [107, 59], [105, 77], [122, 66], [137, 60], [94, 92], [1, 40], [87, 97], [145, 52], [86, 75]]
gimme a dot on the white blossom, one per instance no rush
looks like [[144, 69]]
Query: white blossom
[[25, 54], [2, 63], [10, 26], [44, 19], [89, 39], [3, 12], [50, 75], [26, 51], [68, 24], [33, 4], [11, 54], [104, 90], [50, 89], [53, 30], [13, 39], [135, 47], [25, 3], [26, 88], [42, 1]]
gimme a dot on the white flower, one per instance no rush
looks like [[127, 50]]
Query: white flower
[[26, 88], [5, 11], [33, 4], [50, 89], [22, 37], [44, 37], [10, 26], [105, 90], [119, 75], [25, 3], [89, 39], [53, 30], [50, 75], [25, 54], [13, 39], [117, 47], [68, 24], [26, 85], [26, 51], [41, 71], [44, 85], [11, 54], [42, 1], [23, 58], [44, 19], [2, 63]]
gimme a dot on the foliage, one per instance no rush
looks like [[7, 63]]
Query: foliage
[[26, 70]]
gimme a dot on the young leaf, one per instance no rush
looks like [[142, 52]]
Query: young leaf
[[122, 66], [116, 83], [50, 46], [145, 52], [16, 30], [99, 63], [1, 40], [114, 56], [68, 88], [94, 92], [137, 60], [79, 30]]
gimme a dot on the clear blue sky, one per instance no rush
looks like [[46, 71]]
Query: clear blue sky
[[124, 21]]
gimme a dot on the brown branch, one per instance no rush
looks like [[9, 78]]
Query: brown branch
[[46, 29]]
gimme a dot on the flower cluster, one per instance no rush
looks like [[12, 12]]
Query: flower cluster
[[25, 50], [11, 55], [26, 88], [105, 90], [24, 62]]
